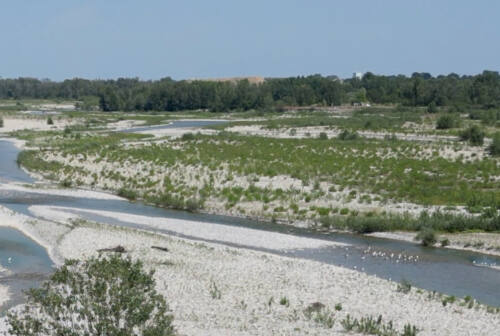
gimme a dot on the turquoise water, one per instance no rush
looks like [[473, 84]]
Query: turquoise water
[[26, 262]]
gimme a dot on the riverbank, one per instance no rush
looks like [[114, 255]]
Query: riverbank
[[44, 233], [99, 174], [214, 289], [481, 242]]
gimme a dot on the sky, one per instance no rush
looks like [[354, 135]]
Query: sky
[[152, 39]]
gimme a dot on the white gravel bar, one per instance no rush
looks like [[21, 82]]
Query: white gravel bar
[[200, 230], [252, 284]]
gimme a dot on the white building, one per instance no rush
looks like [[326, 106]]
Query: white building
[[357, 75]]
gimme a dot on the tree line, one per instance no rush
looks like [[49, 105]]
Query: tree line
[[132, 94]]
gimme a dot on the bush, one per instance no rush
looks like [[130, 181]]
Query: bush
[[323, 136], [446, 121], [445, 242], [187, 136], [404, 286], [100, 296], [284, 301], [66, 183], [432, 108], [347, 135], [193, 204], [50, 121], [127, 193], [474, 135], [494, 148], [427, 237], [1, 122]]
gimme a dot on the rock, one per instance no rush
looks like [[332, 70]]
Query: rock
[[164, 249], [117, 249]]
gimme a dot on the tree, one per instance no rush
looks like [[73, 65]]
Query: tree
[[427, 237], [494, 148], [108, 100], [474, 135], [101, 296], [431, 108]]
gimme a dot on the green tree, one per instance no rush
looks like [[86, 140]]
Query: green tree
[[108, 100], [101, 296], [494, 148], [427, 237], [474, 135], [432, 108]]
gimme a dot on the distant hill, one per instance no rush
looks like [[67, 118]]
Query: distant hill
[[251, 79]]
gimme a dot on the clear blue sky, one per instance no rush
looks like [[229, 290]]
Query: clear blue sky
[[150, 39]]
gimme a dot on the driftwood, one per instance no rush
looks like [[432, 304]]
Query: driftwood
[[164, 249], [117, 249]]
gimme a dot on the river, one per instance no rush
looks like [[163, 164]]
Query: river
[[452, 272]]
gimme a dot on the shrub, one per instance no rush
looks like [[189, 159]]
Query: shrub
[[347, 135], [432, 108], [445, 242], [1, 122], [284, 301], [449, 299], [66, 183], [50, 121], [193, 204], [187, 136], [100, 296], [474, 135], [404, 286], [427, 237], [215, 292], [323, 136], [494, 148], [127, 193], [446, 121]]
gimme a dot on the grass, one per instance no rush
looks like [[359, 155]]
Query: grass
[[351, 164], [375, 119], [341, 170], [284, 301], [370, 326], [215, 292], [437, 221]]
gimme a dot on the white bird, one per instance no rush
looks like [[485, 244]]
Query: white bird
[[9, 260]]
